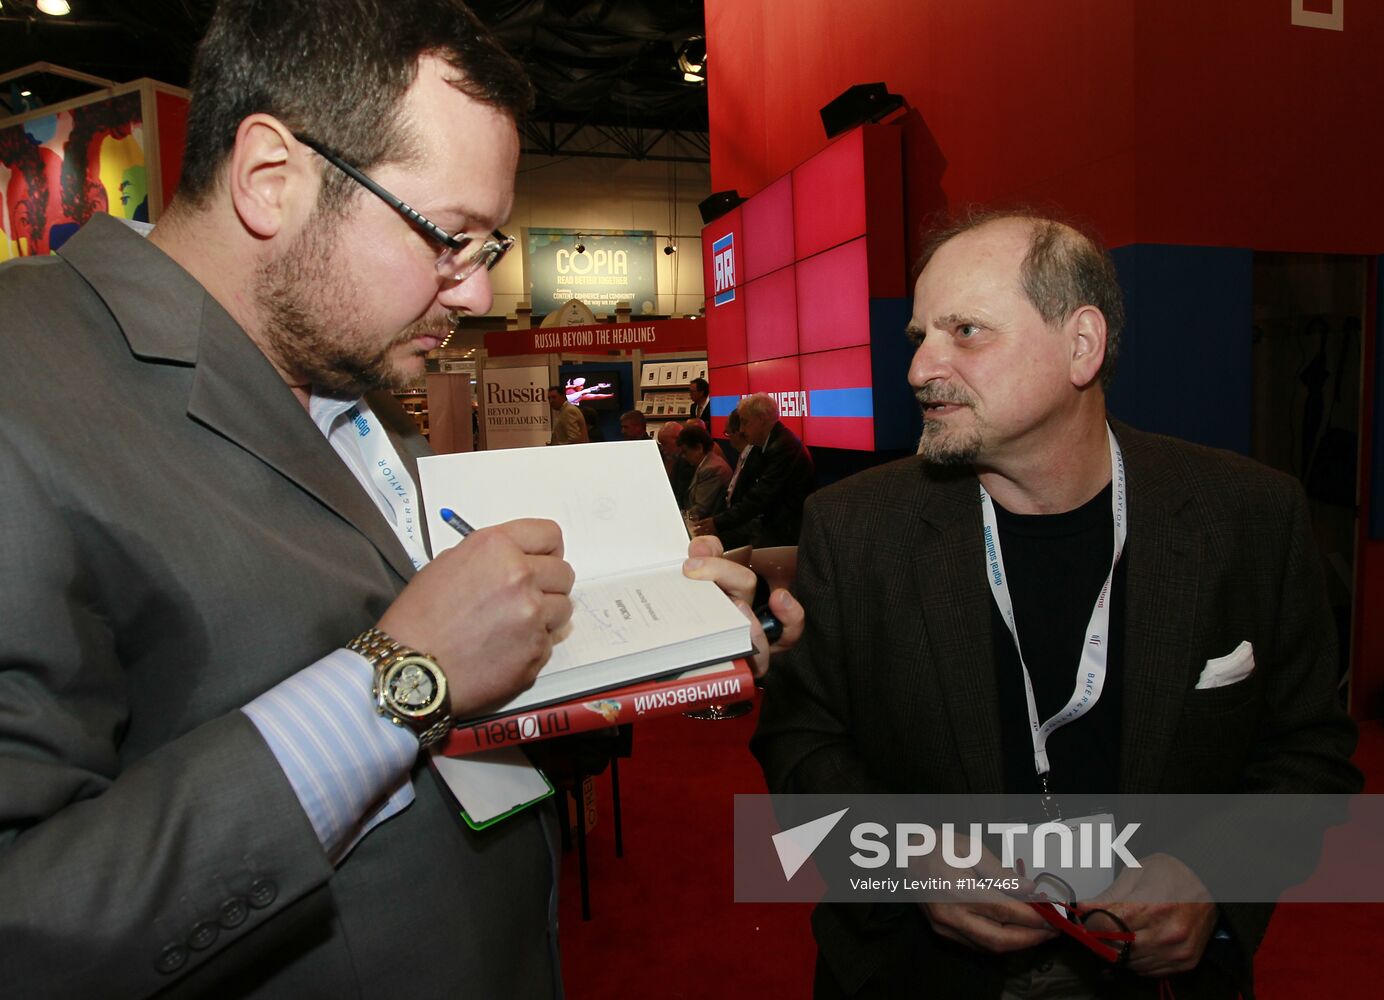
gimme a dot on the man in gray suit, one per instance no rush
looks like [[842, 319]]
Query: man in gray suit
[[207, 785], [707, 494], [910, 679]]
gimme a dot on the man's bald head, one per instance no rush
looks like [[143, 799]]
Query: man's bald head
[[1063, 270]]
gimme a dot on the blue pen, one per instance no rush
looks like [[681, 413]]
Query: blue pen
[[456, 521]]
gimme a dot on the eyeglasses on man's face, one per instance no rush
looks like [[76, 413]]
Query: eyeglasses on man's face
[[461, 256]]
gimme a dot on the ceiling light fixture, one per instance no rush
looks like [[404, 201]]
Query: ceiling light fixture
[[55, 8], [692, 60], [580, 247], [26, 93]]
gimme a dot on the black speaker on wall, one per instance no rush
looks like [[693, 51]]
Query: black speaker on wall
[[717, 204], [865, 102]]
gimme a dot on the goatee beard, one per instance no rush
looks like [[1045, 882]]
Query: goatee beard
[[937, 445]]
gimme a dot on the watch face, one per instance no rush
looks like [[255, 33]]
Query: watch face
[[412, 687]]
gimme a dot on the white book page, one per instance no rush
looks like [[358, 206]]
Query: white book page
[[612, 500], [615, 616]]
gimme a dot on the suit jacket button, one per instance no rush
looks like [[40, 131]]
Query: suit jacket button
[[203, 934], [171, 959], [262, 893], [233, 912]]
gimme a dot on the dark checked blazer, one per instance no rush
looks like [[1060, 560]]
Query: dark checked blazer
[[176, 537], [893, 687]]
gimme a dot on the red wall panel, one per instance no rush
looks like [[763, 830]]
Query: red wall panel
[[833, 371], [776, 377], [768, 226], [829, 196], [771, 316], [1208, 124], [725, 331], [732, 380], [834, 299]]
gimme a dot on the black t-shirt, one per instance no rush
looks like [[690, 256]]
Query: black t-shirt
[[1056, 565]]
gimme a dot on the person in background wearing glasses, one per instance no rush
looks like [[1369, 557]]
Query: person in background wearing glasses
[[207, 785], [1035, 540]]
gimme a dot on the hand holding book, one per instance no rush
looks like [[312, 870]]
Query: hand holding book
[[739, 582], [490, 649]]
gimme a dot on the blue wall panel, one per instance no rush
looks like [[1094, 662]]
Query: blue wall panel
[[1185, 366]]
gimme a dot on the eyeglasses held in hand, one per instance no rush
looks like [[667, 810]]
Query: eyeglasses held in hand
[[461, 256], [1065, 914]]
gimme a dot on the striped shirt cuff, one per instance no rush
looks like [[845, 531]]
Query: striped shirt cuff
[[347, 764]]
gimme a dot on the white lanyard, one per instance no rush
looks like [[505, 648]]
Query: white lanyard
[[1090, 676], [390, 478]]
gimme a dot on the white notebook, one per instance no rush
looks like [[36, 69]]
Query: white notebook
[[635, 616]]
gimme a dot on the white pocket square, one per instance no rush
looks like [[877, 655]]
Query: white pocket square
[[1224, 670]]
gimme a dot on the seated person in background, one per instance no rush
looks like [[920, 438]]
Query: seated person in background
[[785, 477], [741, 479], [679, 472], [633, 426], [710, 473], [715, 445]]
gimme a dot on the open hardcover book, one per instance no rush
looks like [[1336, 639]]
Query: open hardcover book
[[635, 616]]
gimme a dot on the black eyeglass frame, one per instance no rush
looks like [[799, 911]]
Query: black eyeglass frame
[[1078, 914], [497, 246]]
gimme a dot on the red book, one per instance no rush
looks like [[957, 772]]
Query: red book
[[714, 685]]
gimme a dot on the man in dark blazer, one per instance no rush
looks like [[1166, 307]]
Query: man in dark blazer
[[220, 656], [908, 679], [700, 391], [768, 508]]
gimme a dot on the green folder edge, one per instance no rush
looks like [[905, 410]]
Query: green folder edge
[[519, 808]]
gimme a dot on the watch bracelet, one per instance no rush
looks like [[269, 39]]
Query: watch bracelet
[[373, 643], [376, 646], [435, 733]]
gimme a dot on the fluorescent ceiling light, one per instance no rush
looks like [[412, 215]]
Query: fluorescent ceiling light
[[57, 8]]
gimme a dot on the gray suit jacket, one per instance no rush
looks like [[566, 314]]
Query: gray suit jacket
[[707, 494], [178, 537], [892, 688]]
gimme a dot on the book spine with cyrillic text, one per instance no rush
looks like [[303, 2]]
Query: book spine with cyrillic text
[[609, 708]]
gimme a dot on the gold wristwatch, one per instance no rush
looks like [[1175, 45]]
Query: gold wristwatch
[[410, 688]]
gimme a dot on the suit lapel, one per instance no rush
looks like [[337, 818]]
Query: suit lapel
[[948, 568], [167, 317], [237, 393], [1163, 560]]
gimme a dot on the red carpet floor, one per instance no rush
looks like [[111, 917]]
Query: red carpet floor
[[663, 922]]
